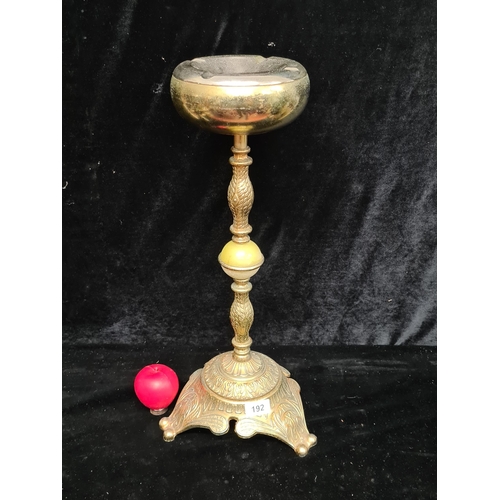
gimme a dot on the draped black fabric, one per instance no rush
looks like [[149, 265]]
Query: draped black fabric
[[345, 197], [372, 408], [344, 213]]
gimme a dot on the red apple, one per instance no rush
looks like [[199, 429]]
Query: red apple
[[156, 386]]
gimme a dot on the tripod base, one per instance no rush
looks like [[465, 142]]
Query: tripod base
[[258, 393]]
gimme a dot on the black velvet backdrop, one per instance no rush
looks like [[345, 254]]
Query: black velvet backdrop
[[345, 197]]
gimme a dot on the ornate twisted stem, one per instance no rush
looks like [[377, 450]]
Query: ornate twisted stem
[[241, 317], [241, 258], [240, 191]]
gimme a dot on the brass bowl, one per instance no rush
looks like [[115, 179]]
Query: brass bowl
[[239, 94]]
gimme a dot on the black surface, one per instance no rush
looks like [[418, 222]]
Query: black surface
[[373, 410], [345, 197]]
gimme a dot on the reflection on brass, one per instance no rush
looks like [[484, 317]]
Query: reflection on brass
[[241, 95]]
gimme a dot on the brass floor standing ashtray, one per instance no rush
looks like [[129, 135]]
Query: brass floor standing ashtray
[[241, 95]]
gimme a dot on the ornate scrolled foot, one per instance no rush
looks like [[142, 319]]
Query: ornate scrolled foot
[[286, 421], [168, 433], [195, 408], [303, 449]]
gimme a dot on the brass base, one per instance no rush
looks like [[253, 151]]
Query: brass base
[[222, 391]]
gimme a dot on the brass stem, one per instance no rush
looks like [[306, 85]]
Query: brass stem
[[241, 317], [240, 191], [240, 197], [240, 141]]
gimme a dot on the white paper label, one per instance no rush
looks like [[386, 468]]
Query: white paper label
[[258, 408]]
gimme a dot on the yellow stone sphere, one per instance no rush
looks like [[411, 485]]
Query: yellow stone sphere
[[241, 255]]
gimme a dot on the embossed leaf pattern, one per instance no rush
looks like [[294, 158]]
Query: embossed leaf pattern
[[288, 414], [241, 316], [223, 377], [240, 192]]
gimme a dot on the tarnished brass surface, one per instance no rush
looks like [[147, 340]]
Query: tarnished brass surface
[[239, 94], [200, 406], [244, 95]]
